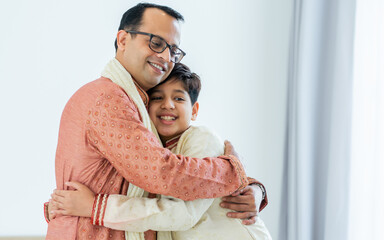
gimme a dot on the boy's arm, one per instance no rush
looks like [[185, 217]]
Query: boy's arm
[[130, 214], [114, 129], [142, 214]]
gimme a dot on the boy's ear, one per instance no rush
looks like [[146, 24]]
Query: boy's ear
[[195, 110]]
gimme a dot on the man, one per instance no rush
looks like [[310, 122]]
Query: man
[[106, 139]]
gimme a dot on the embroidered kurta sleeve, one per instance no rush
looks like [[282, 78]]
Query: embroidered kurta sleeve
[[166, 213], [114, 129], [264, 202]]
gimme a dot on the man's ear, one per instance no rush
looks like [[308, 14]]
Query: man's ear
[[195, 110], [121, 39]]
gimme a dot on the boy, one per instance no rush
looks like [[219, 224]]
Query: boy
[[173, 104]]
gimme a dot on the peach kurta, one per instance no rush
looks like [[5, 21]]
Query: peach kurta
[[103, 144]]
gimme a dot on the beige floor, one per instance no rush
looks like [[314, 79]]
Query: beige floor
[[22, 238]]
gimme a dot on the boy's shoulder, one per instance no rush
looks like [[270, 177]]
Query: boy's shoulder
[[203, 139], [200, 132]]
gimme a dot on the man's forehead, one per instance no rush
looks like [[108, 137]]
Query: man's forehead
[[158, 22]]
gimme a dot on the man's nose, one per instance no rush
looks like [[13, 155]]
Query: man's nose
[[166, 54]]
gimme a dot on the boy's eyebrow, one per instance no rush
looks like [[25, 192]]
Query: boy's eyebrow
[[180, 91], [156, 90], [175, 90]]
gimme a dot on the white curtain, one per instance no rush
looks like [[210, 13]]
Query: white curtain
[[334, 165], [367, 159], [317, 163]]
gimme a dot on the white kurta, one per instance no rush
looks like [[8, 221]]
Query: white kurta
[[201, 219]]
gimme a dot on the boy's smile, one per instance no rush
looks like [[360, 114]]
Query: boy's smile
[[170, 109]]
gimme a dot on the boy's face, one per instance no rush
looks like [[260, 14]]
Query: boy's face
[[171, 110]]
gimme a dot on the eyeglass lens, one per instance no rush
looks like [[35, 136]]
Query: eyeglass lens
[[159, 45]]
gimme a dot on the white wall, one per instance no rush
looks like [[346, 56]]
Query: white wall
[[49, 48]]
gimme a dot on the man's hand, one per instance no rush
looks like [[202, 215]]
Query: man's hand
[[75, 203], [229, 149], [245, 202]]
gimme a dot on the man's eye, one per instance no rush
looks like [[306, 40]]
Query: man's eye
[[156, 44]]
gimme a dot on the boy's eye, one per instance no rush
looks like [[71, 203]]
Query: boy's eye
[[179, 99], [155, 98]]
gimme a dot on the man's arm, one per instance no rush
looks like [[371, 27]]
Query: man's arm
[[115, 131], [247, 202]]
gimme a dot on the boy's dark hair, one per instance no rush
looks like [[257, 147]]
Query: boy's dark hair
[[191, 81], [131, 19]]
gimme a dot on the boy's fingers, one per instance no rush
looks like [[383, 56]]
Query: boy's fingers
[[61, 193], [52, 215], [56, 198], [74, 184], [58, 212]]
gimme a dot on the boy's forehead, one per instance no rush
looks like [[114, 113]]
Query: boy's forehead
[[173, 85]]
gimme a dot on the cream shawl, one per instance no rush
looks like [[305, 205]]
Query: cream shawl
[[119, 75]]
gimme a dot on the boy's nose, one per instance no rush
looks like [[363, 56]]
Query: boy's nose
[[168, 104]]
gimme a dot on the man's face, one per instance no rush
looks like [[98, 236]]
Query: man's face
[[170, 109], [147, 67]]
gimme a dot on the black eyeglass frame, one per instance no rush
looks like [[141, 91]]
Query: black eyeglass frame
[[166, 44]]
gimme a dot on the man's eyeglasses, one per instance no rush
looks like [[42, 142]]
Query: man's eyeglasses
[[158, 45]]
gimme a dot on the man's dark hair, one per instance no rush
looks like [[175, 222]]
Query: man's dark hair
[[131, 19], [190, 80]]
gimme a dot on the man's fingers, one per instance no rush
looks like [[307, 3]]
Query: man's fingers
[[237, 193], [237, 199], [249, 221], [228, 150], [242, 215], [235, 207], [248, 190]]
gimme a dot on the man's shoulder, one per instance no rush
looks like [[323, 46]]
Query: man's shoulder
[[101, 84], [98, 88]]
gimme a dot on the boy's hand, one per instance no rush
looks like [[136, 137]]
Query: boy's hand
[[78, 202], [51, 208], [245, 202]]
